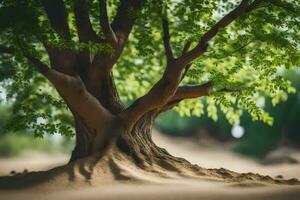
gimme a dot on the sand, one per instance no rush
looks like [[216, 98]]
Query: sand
[[183, 190], [173, 189]]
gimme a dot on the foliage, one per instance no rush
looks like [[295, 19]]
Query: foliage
[[259, 138], [245, 58], [15, 143]]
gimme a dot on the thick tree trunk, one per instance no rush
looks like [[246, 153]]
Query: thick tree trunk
[[87, 139], [115, 145], [136, 149], [136, 143], [135, 146], [118, 153]]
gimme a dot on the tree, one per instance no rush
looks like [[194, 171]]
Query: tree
[[97, 54]]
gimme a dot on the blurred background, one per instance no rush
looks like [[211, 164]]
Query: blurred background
[[248, 146]]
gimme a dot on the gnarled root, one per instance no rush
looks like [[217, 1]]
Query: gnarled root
[[115, 167]]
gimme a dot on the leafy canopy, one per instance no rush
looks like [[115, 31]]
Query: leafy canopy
[[244, 62]]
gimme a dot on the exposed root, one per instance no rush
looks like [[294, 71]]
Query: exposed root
[[116, 167]]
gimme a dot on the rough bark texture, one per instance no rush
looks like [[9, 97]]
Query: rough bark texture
[[84, 140]]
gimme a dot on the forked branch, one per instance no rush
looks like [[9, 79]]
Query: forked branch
[[104, 23], [62, 59], [166, 88], [72, 89], [124, 19], [117, 32], [187, 92], [83, 23]]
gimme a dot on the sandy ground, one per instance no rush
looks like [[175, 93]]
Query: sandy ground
[[221, 156], [180, 191], [209, 157], [31, 161]]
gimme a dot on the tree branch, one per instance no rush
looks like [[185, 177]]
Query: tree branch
[[201, 47], [85, 33], [124, 19], [187, 67], [84, 27], [190, 92], [40, 66], [104, 23], [186, 47], [187, 92], [166, 39], [284, 5], [63, 60], [229, 54], [73, 91], [121, 27], [58, 16], [166, 88], [157, 97]]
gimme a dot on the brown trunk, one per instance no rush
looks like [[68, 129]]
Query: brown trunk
[[84, 140], [139, 146], [135, 148], [105, 145], [121, 155], [138, 143]]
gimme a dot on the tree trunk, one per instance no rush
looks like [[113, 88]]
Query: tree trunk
[[104, 90], [136, 149], [108, 146], [84, 140], [135, 146], [118, 153], [115, 146]]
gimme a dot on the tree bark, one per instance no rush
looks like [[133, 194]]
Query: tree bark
[[83, 141], [137, 143]]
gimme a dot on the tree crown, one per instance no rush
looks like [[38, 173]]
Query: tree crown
[[239, 48]]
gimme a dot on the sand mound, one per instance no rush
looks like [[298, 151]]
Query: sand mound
[[116, 176], [117, 168]]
